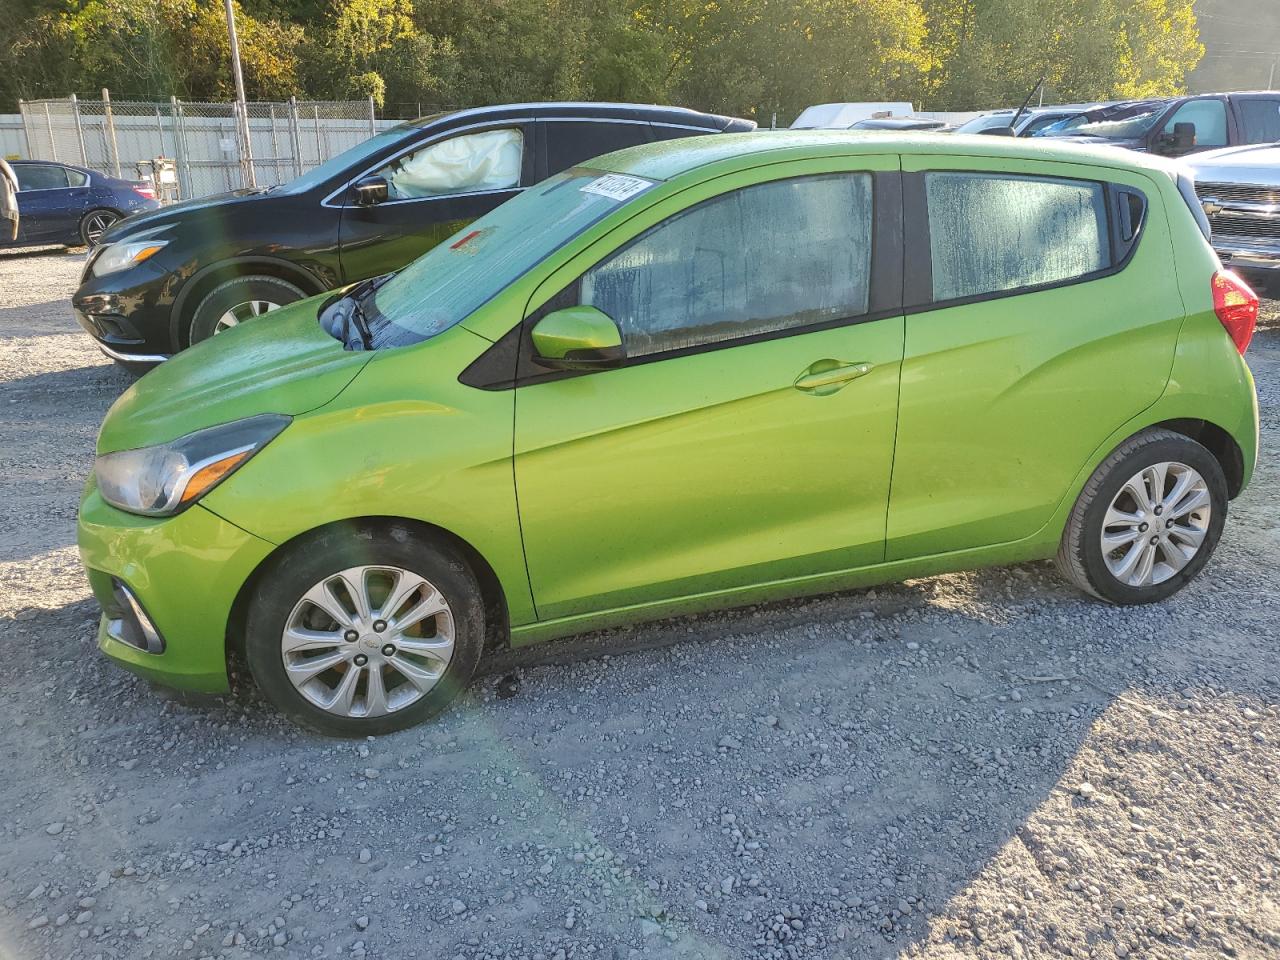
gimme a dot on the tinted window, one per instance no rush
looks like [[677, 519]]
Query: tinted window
[[472, 162], [1210, 118], [989, 233], [40, 176], [1261, 120], [571, 142], [770, 257]]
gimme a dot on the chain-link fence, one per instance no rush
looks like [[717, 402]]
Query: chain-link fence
[[204, 141]]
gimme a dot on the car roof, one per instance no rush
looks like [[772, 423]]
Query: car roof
[[671, 158], [568, 110]]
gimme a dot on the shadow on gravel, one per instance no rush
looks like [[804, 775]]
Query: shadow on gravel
[[105, 377], [30, 313]]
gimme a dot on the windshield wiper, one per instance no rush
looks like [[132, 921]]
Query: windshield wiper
[[356, 315]]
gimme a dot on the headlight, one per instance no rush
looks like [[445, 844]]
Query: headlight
[[126, 253], [159, 481]]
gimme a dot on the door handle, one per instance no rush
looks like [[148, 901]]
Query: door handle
[[828, 376]]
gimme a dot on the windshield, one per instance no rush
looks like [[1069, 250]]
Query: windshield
[[1122, 128], [450, 281], [347, 158]]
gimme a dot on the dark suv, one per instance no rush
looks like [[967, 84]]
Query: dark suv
[[161, 282], [1178, 125]]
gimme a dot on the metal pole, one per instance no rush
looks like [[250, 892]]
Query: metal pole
[[48, 123], [295, 137], [84, 154], [26, 130], [111, 131], [179, 147], [1271, 80], [373, 118], [246, 157], [320, 157]]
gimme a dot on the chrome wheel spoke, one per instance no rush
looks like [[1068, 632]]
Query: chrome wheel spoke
[[299, 639], [419, 676], [1191, 502], [375, 704], [405, 585], [300, 671], [1174, 557], [1191, 536], [1117, 539], [322, 596], [437, 648], [429, 606], [344, 694]]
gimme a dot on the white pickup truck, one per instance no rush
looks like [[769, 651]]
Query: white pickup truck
[[1239, 188]]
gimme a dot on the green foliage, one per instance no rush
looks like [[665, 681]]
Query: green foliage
[[747, 57]]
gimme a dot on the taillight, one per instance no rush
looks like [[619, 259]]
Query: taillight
[[144, 191], [1236, 306]]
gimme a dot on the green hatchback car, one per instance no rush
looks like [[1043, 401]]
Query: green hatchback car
[[690, 375]]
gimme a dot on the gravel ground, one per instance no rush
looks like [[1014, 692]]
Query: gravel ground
[[983, 764]]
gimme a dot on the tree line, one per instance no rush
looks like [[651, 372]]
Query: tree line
[[752, 58]]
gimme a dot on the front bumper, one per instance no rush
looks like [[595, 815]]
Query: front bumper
[[1241, 256], [185, 572], [128, 313]]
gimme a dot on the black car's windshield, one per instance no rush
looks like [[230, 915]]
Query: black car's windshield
[[1122, 127], [451, 280], [351, 157]]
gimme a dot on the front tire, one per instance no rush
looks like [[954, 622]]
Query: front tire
[[234, 301], [363, 629], [1147, 521]]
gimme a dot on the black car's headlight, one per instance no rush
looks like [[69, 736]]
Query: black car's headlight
[[161, 480], [125, 253]]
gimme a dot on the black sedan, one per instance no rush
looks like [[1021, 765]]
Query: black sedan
[[162, 282], [59, 203]]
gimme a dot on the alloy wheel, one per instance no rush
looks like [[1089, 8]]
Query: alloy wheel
[[1156, 524], [368, 641], [241, 312], [96, 225]]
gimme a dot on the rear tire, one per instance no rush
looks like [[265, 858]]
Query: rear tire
[[421, 664], [237, 300], [95, 223], [1156, 540]]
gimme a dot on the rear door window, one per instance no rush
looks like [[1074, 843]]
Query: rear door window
[[770, 257], [40, 176], [571, 142], [990, 233], [1260, 120]]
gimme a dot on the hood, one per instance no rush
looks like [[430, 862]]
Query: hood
[[176, 212], [280, 363], [1258, 164]]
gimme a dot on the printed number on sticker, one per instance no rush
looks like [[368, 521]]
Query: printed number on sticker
[[616, 186]]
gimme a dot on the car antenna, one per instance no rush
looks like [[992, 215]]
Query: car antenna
[[1013, 124]]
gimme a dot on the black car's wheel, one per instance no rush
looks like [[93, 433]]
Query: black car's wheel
[[94, 224], [1147, 521], [365, 628], [242, 298]]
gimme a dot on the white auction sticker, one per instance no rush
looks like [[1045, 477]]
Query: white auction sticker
[[617, 186]]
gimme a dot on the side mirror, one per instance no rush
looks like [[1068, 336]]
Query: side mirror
[[370, 190], [1181, 140], [578, 338]]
